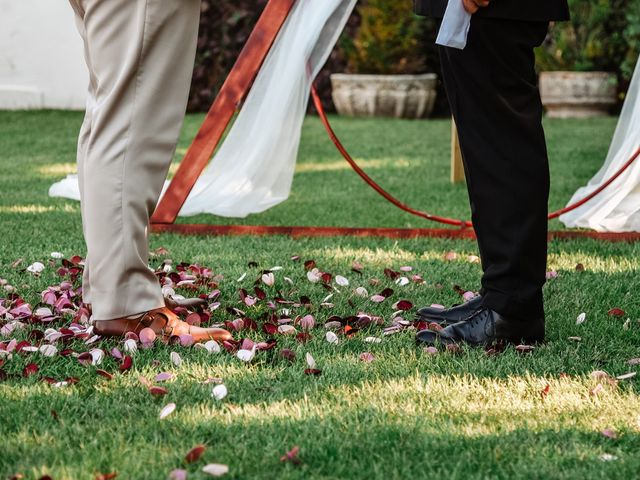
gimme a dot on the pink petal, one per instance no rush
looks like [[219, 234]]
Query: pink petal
[[147, 336]]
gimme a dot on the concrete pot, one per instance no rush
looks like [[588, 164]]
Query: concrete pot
[[578, 94], [398, 96]]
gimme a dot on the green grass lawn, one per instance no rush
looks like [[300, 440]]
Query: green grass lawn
[[406, 414]]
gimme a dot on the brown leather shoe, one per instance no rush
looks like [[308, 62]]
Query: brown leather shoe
[[172, 303], [164, 322]]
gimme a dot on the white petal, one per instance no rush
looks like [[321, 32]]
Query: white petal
[[581, 318], [247, 355], [242, 277], [167, 410], [175, 359], [331, 338], [219, 392], [362, 292], [215, 469], [56, 255], [311, 361], [342, 281], [48, 350], [35, 267], [402, 281], [373, 340], [97, 356], [130, 346]]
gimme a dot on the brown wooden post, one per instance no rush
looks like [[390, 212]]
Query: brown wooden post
[[226, 103], [457, 169]]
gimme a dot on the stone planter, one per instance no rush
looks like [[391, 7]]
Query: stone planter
[[578, 94], [399, 96]]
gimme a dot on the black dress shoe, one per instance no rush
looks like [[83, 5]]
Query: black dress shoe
[[485, 328], [450, 315]]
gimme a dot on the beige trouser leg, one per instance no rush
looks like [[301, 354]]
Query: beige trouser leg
[[140, 56]]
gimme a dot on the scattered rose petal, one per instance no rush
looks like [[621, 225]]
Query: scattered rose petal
[[176, 359], [331, 338], [97, 355], [431, 350], [468, 296], [48, 350], [126, 363], [450, 256], [402, 281], [581, 318], [609, 433], [178, 474], [167, 410], [269, 279], [130, 346], [164, 376], [147, 336], [35, 267], [219, 392], [307, 322], [342, 281], [158, 391], [287, 330], [626, 376], [56, 255], [607, 457], [616, 312], [367, 357], [291, 456], [373, 340], [215, 469], [362, 292], [247, 355], [288, 354], [403, 305], [633, 361], [524, 348], [194, 454], [30, 369], [378, 299], [310, 361], [186, 340]]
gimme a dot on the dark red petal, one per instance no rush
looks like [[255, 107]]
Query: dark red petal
[[270, 328], [405, 305], [195, 453], [288, 354], [126, 363], [616, 312], [30, 370], [312, 371], [104, 373], [158, 391]]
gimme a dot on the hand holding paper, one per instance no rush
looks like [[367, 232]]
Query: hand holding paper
[[456, 22]]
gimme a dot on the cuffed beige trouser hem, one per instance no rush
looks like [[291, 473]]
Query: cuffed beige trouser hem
[[140, 57]]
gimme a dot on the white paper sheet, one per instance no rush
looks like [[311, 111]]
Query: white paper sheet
[[455, 26]]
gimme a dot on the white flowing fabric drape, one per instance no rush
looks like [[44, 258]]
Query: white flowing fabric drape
[[253, 169], [617, 208]]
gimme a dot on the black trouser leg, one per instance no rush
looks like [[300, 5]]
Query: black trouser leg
[[493, 92]]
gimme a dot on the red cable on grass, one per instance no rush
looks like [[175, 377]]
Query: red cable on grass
[[436, 218]]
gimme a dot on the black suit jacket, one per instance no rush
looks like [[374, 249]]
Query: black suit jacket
[[532, 10]]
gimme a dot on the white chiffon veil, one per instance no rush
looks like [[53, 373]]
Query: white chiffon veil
[[253, 168], [617, 208]]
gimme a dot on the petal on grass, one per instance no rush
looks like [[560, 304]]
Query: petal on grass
[[219, 392], [215, 469], [195, 453], [167, 410]]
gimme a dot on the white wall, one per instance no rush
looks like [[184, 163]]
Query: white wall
[[41, 59]]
